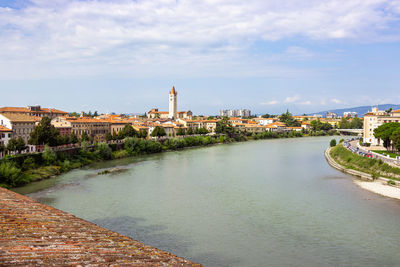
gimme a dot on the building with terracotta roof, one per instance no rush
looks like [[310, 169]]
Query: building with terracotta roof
[[95, 128], [36, 111], [173, 112], [21, 124], [5, 135], [373, 120]]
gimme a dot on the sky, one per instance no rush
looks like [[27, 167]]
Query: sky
[[124, 56]]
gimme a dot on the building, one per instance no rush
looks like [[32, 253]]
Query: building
[[373, 120], [63, 126], [36, 111], [350, 114], [173, 103], [21, 124], [235, 113], [331, 115], [173, 113], [95, 128], [5, 135]]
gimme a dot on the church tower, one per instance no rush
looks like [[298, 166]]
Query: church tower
[[173, 98]]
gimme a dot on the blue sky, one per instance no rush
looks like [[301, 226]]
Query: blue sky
[[264, 55]]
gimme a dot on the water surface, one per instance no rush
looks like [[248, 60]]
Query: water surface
[[260, 203]]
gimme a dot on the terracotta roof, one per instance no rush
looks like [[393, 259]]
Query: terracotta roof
[[158, 112], [396, 111], [86, 119], [4, 129], [15, 117], [26, 110], [173, 91]]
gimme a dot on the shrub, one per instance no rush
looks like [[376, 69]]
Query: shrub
[[333, 143], [391, 182], [49, 156], [103, 151], [29, 163], [120, 154], [10, 174]]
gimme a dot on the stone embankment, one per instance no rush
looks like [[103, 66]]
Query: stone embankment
[[32, 233]]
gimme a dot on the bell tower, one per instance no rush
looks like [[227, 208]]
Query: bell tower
[[173, 99]]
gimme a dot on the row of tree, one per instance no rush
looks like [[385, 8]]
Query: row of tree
[[389, 133]]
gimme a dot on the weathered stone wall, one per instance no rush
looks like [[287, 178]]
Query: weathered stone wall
[[35, 234]]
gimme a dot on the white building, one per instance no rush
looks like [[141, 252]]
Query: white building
[[5, 135], [235, 113], [350, 114]]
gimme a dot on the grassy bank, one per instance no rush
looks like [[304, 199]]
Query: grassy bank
[[375, 167], [391, 154]]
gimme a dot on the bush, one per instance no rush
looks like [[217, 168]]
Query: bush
[[391, 182], [333, 143], [10, 174], [120, 154], [103, 151], [29, 163], [49, 156]]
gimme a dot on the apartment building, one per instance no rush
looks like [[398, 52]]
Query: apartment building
[[373, 120]]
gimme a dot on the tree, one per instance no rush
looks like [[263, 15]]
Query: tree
[[224, 126], [2, 147], [127, 131], [344, 124], [49, 156], [143, 134], [108, 137], [333, 143], [289, 120], [396, 139], [85, 137], [16, 144], [158, 132], [74, 114], [389, 110], [73, 139], [181, 131], [44, 134], [190, 131], [385, 132], [95, 114], [356, 123], [103, 151]]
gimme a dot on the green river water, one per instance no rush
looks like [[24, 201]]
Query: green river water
[[258, 203]]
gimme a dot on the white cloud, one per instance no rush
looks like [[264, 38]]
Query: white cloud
[[308, 102], [269, 103], [336, 101], [147, 36], [291, 99]]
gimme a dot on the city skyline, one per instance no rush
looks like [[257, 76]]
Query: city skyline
[[263, 55]]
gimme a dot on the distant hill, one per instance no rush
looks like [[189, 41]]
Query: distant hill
[[360, 110]]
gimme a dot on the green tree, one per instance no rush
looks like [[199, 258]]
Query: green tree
[[127, 131], [16, 144], [73, 139], [143, 134], [108, 137], [190, 131], [344, 124], [356, 123], [158, 132], [44, 134], [224, 126], [288, 119], [181, 131], [385, 132], [333, 143], [85, 137], [95, 114], [395, 137], [10, 174], [103, 151], [49, 156], [74, 114]]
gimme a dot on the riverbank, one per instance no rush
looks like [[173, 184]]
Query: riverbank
[[29, 168], [386, 186], [36, 234]]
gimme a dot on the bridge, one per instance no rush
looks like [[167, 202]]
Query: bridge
[[357, 131]]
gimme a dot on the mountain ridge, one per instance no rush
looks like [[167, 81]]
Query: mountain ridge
[[361, 110]]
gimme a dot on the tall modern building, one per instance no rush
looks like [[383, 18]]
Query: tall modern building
[[173, 105]]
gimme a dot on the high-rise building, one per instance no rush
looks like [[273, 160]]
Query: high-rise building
[[173, 105]]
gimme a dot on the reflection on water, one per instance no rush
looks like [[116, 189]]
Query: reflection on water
[[261, 203]]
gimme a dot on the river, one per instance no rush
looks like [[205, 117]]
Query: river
[[258, 203]]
